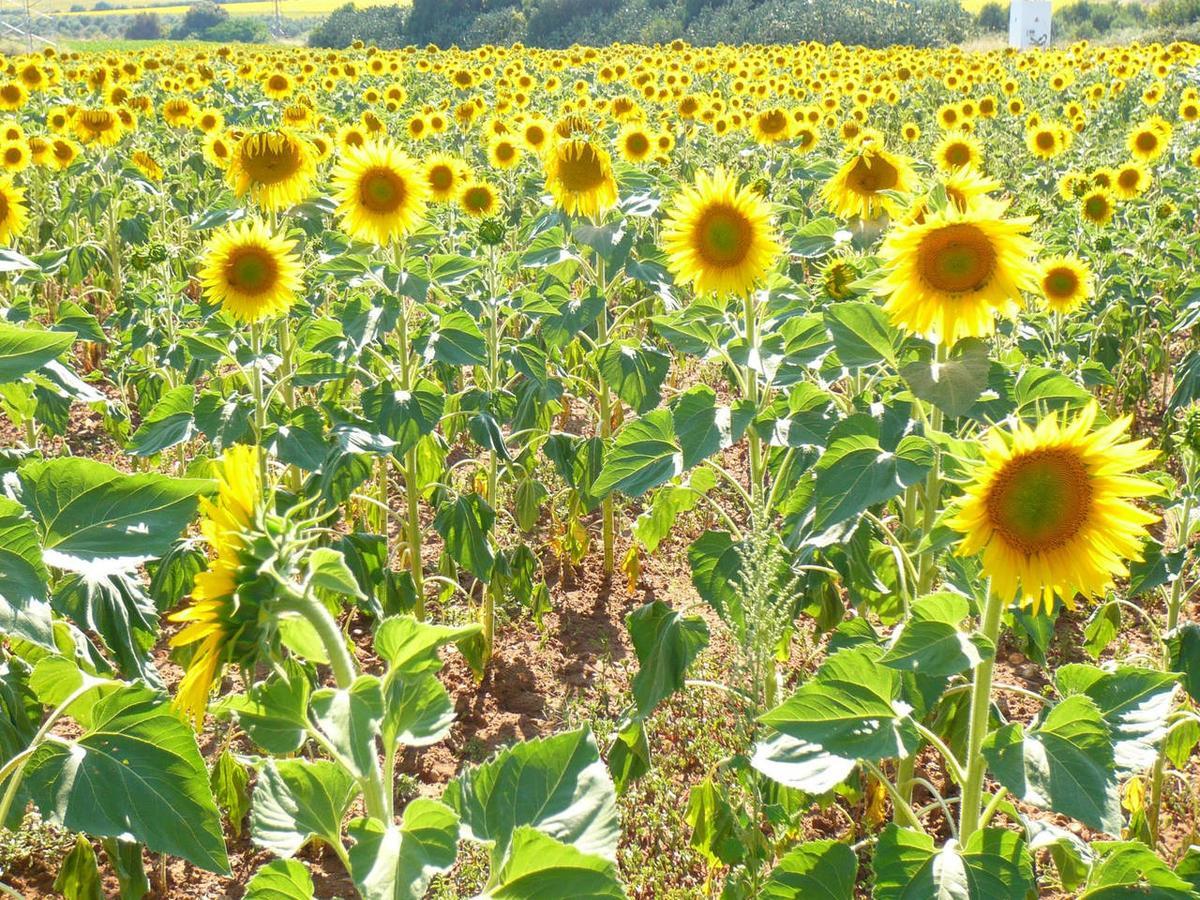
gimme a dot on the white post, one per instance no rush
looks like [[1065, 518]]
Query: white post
[[1029, 24]]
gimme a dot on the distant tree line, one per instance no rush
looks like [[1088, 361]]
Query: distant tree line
[[560, 23]]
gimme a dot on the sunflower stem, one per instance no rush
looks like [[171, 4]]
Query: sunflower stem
[[257, 388], [607, 527], [757, 458], [977, 723], [345, 672], [411, 494]]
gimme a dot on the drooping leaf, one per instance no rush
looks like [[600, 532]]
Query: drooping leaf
[[170, 422], [954, 384], [666, 643], [398, 863], [644, 455], [296, 800], [465, 524], [704, 427], [281, 879], [24, 612], [537, 866], [557, 784], [78, 875], [821, 870], [994, 863], [135, 771], [932, 643], [634, 373], [24, 349]]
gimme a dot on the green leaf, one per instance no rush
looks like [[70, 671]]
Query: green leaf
[[634, 373], [125, 858], [296, 800], [644, 455], [24, 612], [629, 753], [404, 416], [815, 238], [558, 784], [328, 570], [1046, 390], [815, 870], [89, 511], [170, 422], [1127, 869], [410, 646], [704, 428], [1184, 645], [954, 384], [931, 641], [848, 711], [230, 784], [537, 866], [856, 473], [465, 524], [75, 319], [390, 863], [24, 349], [1134, 702], [274, 713], [114, 606], [349, 719], [655, 522], [862, 334], [136, 771], [456, 340], [1065, 763], [994, 864], [714, 825], [666, 643], [281, 879], [417, 710], [78, 876]]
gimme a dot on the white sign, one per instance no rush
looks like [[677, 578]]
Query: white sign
[[1029, 24]]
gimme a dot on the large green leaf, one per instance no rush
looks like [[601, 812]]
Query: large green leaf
[[274, 713], [403, 416], [281, 879], [847, 712], [954, 384], [465, 524], [411, 646], [666, 643], [1124, 870], [703, 427], [931, 641], [170, 422], [635, 373], [816, 870], [296, 800], [24, 612], [114, 606], [537, 866], [135, 771], [1184, 645], [349, 718], [1064, 763], [1134, 701], [417, 710], [862, 334], [88, 511], [398, 863], [24, 349], [994, 864], [558, 784], [644, 455]]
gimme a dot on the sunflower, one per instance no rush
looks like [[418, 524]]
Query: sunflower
[[99, 126], [63, 152], [1066, 283], [535, 133], [277, 85], [771, 126], [209, 120], [179, 112], [579, 177], [15, 156], [380, 192], [1049, 507], [957, 151], [949, 275], [478, 199], [222, 617], [838, 277], [1047, 141], [13, 95], [276, 168], [1097, 206], [503, 152], [147, 165], [12, 210], [856, 188], [1131, 181], [250, 272], [718, 236], [634, 144], [444, 176], [218, 149], [1148, 140]]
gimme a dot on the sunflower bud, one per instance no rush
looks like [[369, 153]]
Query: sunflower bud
[[491, 232]]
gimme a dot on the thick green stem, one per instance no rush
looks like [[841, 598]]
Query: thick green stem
[[345, 671], [287, 369], [411, 493], [608, 528], [488, 612], [977, 723], [1174, 606], [757, 455], [260, 408]]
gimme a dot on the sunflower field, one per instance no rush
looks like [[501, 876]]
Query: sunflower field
[[663, 472]]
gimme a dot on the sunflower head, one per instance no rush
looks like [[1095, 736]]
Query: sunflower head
[[1066, 283], [225, 621], [249, 272], [479, 199], [718, 236], [275, 168], [1050, 508], [950, 274], [381, 194], [858, 187], [1097, 206], [13, 215], [579, 177]]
